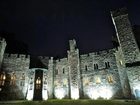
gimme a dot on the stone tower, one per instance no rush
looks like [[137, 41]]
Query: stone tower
[[74, 70], [128, 52], [51, 78], [125, 36], [2, 49]]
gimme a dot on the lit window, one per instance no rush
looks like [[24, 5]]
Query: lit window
[[13, 79], [38, 83], [65, 82], [121, 62], [110, 79], [98, 80], [2, 79]]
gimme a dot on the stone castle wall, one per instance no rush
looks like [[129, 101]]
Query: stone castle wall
[[16, 67], [93, 75], [90, 73], [61, 76]]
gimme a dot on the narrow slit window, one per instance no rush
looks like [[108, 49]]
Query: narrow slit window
[[13, 79], [108, 64], [63, 70], [86, 68]]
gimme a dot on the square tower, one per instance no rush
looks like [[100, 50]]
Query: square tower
[[126, 39]]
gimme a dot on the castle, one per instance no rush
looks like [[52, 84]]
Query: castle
[[113, 73]]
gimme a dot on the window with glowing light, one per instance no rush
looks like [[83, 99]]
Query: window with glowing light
[[38, 83], [13, 79], [2, 79], [110, 79], [98, 80], [121, 62]]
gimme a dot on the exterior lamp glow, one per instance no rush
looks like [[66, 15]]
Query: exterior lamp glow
[[59, 93], [74, 93]]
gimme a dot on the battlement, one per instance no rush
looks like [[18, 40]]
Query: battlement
[[7, 55], [103, 52], [118, 12], [61, 60]]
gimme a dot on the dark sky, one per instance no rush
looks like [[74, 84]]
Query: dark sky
[[47, 25]]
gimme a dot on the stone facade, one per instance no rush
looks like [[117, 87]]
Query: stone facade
[[112, 73]]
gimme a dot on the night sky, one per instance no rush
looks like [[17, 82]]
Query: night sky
[[47, 25]]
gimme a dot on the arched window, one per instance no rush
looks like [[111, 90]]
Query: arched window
[[107, 65], [38, 83], [110, 79], [95, 66]]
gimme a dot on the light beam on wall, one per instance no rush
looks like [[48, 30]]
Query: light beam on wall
[[44, 94], [102, 92], [59, 93], [74, 93], [30, 95]]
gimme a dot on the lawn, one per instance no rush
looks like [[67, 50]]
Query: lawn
[[73, 102]]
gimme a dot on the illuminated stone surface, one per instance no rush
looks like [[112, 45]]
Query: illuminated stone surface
[[113, 73]]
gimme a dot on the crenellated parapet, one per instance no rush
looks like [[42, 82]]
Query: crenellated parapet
[[98, 60], [16, 62], [15, 56], [118, 12]]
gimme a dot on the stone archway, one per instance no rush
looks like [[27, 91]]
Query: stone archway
[[37, 84]]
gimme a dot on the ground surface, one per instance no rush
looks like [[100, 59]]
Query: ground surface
[[72, 102]]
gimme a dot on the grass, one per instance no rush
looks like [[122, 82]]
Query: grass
[[73, 102]]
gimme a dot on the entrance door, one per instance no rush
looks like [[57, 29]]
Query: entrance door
[[38, 85]]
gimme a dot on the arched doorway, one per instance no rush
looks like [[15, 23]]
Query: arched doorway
[[38, 84], [37, 88]]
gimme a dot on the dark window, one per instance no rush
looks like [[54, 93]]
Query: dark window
[[95, 66], [86, 68], [107, 65], [63, 70]]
